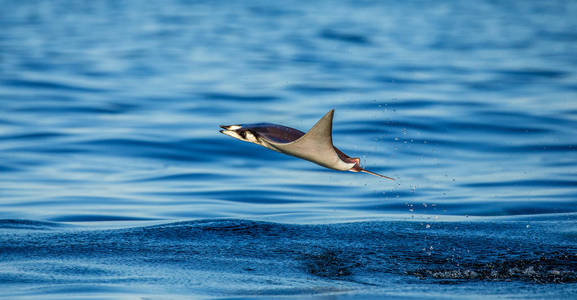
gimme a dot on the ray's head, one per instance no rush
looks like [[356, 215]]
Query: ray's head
[[238, 132]]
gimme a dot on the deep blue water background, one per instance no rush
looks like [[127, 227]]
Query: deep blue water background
[[114, 180]]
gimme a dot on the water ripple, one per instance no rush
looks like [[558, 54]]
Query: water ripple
[[525, 183], [27, 224], [239, 97], [48, 85], [346, 37]]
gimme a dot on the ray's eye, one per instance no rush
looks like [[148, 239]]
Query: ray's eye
[[243, 134]]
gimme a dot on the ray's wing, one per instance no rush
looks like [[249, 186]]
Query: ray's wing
[[316, 146], [274, 132]]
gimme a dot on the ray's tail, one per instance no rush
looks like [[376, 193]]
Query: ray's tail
[[373, 173]]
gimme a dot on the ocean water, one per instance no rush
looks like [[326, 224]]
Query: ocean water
[[115, 182]]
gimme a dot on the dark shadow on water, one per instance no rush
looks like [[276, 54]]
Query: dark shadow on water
[[330, 264]]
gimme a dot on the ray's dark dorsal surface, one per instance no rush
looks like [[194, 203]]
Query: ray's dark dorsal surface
[[315, 146]]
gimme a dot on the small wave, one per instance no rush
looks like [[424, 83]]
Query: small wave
[[7, 168], [346, 37], [192, 150], [239, 97], [208, 229], [412, 104], [315, 89], [524, 183], [389, 79], [32, 136], [454, 127], [97, 218], [28, 224], [543, 148], [48, 85], [77, 109], [165, 150], [263, 196], [184, 177], [524, 74]]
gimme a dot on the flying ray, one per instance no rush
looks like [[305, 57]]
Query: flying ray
[[315, 146]]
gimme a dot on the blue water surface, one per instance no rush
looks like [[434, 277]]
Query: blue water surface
[[115, 183]]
